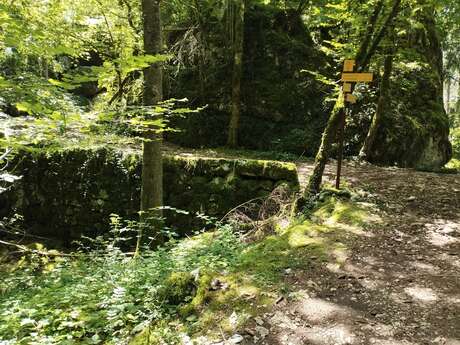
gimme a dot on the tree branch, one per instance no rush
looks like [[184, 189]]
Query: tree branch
[[129, 9], [370, 32], [301, 7], [394, 12]]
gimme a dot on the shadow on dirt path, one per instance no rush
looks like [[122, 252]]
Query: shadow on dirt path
[[400, 284]]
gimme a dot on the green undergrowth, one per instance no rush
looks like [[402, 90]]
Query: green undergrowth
[[453, 166], [205, 285]]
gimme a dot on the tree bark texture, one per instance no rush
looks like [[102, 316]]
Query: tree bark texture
[[378, 118], [328, 138], [152, 166], [238, 47], [432, 47]]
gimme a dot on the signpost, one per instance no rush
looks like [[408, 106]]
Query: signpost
[[350, 98], [357, 77], [349, 78]]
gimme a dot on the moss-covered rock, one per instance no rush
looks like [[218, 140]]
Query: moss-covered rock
[[201, 297], [415, 128], [178, 288]]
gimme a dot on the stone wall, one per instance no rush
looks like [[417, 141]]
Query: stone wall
[[69, 192]]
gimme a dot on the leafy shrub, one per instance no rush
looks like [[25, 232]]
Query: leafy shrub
[[103, 295]]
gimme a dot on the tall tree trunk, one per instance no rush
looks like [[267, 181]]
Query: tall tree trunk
[[449, 86], [152, 164], [377, 120], [238, 46], [202, 48], [367, 49], [328, 138]]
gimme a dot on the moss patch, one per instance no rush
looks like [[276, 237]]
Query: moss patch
[[179, 287], [335, 212], [453, 166]]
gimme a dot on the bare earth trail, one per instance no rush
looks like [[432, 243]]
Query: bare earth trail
[[400, 283]]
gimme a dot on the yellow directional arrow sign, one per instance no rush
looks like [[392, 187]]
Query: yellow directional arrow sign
[[349, 65], [357, 77]]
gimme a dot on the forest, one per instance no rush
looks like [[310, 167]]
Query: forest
[[217, 172]]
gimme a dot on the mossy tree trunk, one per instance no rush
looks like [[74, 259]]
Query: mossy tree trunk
[[238, 47], [152, 164], [329, 135], [432, 48], [378, 119], [203, 38], [369, 45]]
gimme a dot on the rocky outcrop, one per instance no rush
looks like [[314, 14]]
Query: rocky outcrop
[[415, 130]]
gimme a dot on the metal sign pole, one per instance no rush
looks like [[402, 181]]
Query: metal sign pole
[[341, 142], [349, 78]]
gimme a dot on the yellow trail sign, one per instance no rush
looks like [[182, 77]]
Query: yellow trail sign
[[350, 98], [347, 87], [357, 77], [349, 65]]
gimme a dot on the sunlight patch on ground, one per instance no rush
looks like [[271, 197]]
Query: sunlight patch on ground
[[440, 240], [316, 310], [453, 299], [421, 294], [340, 254], [334, 267], [354, 270], [283, 321], [297, 240], [443, 232], [334, 334], [375, 341], [425, 267], [380, 329], [347, 215], [448, 259]]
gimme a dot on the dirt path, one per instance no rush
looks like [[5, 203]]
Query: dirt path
[[400, 284]]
